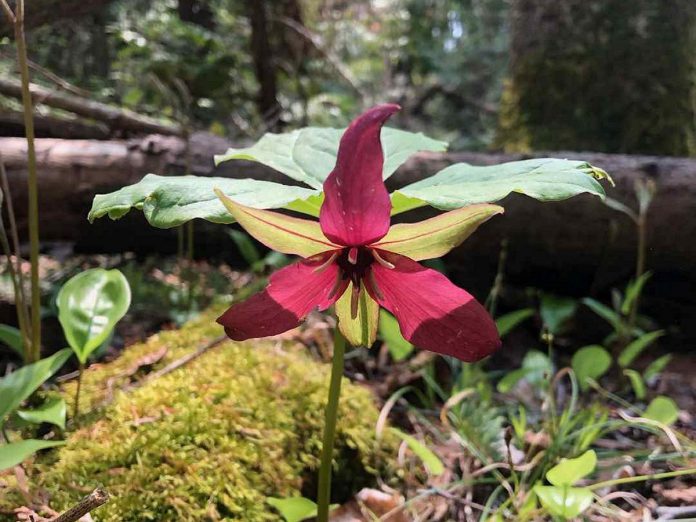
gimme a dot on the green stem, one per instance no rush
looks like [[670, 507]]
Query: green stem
[[640, 267], [641, 478], [324, 492], [76, 409], [32, 184]]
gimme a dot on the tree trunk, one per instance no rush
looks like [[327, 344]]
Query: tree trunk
[[576, 247], [267, 99]]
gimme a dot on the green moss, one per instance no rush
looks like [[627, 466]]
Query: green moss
[[211, 440]]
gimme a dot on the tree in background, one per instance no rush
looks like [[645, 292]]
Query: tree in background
[[602, 75]]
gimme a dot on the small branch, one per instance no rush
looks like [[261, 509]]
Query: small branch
[[8, 12], [97, 498]]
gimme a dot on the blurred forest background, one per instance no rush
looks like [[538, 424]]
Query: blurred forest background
[[514, 75]]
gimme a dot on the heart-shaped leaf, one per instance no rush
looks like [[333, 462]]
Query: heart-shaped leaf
[[17, 452], [590, 362], [20, 384], [568, 471], [662, 409], [564, 502], [89, 306]]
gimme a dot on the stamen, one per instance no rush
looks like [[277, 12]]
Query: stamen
[[336, 286], [354, 300], [353, 256], [373, 285], [326, 263], [381, 260]]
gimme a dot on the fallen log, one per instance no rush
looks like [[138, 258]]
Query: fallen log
[[42, 12], [576, 246], [114, 117], [12, 124]]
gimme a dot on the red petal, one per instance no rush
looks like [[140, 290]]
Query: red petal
[[357, 206], [433, 313], [291, 294]]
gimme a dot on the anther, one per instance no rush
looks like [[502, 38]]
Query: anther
[[381, 260], [336, 286], [373, 285], [353, 255], [326, 263]]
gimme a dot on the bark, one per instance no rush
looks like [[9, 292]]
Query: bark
[[575, 247], [12, 124], [116, 118], [267, 98], [42, 12]]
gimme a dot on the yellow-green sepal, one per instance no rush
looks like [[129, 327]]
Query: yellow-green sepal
[[360, 330]]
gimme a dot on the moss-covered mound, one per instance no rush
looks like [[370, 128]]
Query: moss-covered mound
[[212, 440]]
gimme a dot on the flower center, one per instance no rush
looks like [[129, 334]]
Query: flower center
[[354, 262]]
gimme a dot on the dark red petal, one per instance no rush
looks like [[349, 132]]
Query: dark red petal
[[356, 203], [291, 294], [433, 313]]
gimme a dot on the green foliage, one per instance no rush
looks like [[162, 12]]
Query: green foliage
[[568, 471], [89, 306], [508, 322], [53, 411], [390, 333], [637, 383], [636, 347], [12, 337], [662, 409], [561, 499], [294, 509], [431, 461], [536, 367], [556, 311], [590, 362], [15, 453], [240, 423]]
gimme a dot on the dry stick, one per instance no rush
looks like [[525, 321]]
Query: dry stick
[[20, 300], [96, 498]]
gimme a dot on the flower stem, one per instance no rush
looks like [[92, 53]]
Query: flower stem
[[324, 492]]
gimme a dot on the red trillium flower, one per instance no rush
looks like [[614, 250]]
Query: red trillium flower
[[354, 259]]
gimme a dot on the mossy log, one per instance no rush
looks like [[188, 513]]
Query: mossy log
[[211, 440]]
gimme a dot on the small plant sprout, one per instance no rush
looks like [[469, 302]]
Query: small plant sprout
[[89, 306]]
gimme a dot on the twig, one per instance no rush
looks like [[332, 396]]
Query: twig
[[672, 512], [96, 498]]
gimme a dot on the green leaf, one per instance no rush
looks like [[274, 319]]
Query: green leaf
[[52, 411], [590, 362], [434, 237], [20, 384], [431, 461], [556, 311], [620, 207], [656, 367], [389, 331], [662, 409], [545, 179], [170, 201], [279, 232], [564, 502], [506, 323], [568, 471], [89, 306], [17, 452], [309, 155], [606, 313], [294, 509], [245, 246], [535, 368], [360, 330], [634, 349], [510, 379], [633, 291], [637, 383], [12, 337]]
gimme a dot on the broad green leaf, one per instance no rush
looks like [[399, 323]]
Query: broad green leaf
[[656, 367], [536, 366], [633, 291], [53, 412], [568, 471], [637, 383], [17, 452], [506, 323], [170, 201], [634, 349], [309, 155], [12, 337], [662, 409], [555, 312], [401, 203], [360, 330], [89, 306], [20, 384], [286, 234], [604, 312], [590, 362], [438, 235], [545, 179], [431, 461], [294, 509], [564, 502], [390, 332]]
